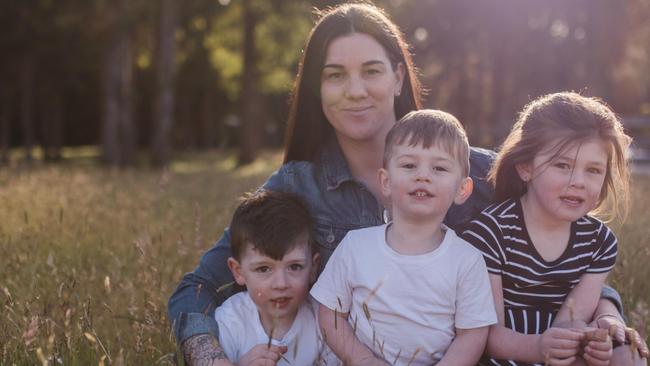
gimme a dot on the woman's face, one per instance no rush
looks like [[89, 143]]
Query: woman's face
[[358, 89]]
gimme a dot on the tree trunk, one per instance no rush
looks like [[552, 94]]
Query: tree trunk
[[27, 105], [164, 99], [208, 124], [52, 128], [118, 135], [251, 126], [4, 127]]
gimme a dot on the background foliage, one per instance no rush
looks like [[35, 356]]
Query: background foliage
[[92, 72]]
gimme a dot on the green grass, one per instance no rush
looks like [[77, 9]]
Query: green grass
[[89, 256]]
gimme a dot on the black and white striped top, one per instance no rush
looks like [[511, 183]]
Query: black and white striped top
[[533, 288], [499, 232]]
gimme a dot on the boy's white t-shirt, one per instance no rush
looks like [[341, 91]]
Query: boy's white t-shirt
[[413, 302], [240, 329]]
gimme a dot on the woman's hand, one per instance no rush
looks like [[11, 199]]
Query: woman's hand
[[262, 355], [617, 329], [559, 346]]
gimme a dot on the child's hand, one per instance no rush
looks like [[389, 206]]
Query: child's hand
[[598, 350], [262, 355], [559, 346]]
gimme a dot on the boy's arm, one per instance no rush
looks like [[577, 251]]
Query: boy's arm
[[466, 348], [340, 337], [557, 346]]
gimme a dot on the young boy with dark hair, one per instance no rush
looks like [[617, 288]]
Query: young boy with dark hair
[[273, 255], [411, 292]]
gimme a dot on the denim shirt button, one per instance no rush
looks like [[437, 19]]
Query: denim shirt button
[[330, 238]]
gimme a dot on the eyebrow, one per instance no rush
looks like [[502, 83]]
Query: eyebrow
[[367, 63], [413, 156], [571, 159]]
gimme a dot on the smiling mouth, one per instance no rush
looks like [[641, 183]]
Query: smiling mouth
[[420, 193], [357, 109], [572, 200], [280, 301]]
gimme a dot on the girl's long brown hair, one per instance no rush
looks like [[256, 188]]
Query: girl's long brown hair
[[559, 121]]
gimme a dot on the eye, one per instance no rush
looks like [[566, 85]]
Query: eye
[[407, 165], [263, 269], [597, 171], [334, 75], [296, 267], [373, 72], [561, 165], [440, 169]]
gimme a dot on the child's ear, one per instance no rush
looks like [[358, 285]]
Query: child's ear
[[315, 265], [464, 190], [235, 268], [525, 171], [384, 182]]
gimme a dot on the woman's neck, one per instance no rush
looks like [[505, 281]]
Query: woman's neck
[[364, 161]]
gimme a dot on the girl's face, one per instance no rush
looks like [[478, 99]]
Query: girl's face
[[358, 88], [569, 186]]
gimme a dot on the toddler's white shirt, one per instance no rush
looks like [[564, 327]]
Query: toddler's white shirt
[[414, 302], [240, 329]]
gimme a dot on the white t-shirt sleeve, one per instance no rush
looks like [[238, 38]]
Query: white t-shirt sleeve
[[474, 301], [333, 288], [230, 326]]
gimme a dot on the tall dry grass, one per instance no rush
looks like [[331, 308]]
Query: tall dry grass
[[89, 256]]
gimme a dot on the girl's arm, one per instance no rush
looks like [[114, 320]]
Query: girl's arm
[[466, 348], [556, 346], [340, 337], [578, 309]]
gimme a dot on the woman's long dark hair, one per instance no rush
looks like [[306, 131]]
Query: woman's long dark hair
[[307, 127]]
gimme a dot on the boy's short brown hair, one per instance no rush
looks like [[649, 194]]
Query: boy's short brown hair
[[271, 222], [427, 127]]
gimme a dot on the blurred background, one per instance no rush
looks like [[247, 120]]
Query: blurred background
[[90, 253], [141, 80]]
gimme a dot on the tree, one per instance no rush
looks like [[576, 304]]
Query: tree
[[118, 140], [249, 98], [164, 99]]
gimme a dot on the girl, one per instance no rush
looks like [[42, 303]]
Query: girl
[[564, 160]]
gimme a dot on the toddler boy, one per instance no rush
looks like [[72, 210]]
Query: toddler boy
[[274, 257], [411, 292]]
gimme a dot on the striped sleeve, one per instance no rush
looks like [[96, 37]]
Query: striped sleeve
[[485, 235], [604, 256]]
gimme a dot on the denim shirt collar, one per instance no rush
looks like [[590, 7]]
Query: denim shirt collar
[[334, 166]]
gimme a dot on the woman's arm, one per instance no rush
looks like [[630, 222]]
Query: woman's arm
[[466, 348], [191, 306], [340, 337]]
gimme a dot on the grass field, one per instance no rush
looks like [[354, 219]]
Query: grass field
[[89, 256]]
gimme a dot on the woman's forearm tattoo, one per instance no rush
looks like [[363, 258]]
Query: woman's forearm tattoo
[[202, 350]]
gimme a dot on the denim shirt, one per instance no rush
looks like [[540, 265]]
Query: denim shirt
[[338, 203]]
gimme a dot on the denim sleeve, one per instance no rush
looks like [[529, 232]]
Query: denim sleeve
[[480, 161], [610, 294], [191, 306]]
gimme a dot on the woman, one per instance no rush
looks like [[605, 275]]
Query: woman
[[355, 80]]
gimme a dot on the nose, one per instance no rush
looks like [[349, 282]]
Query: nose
[[423, 175], [280, 280], [577, 179], [356, 87]]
